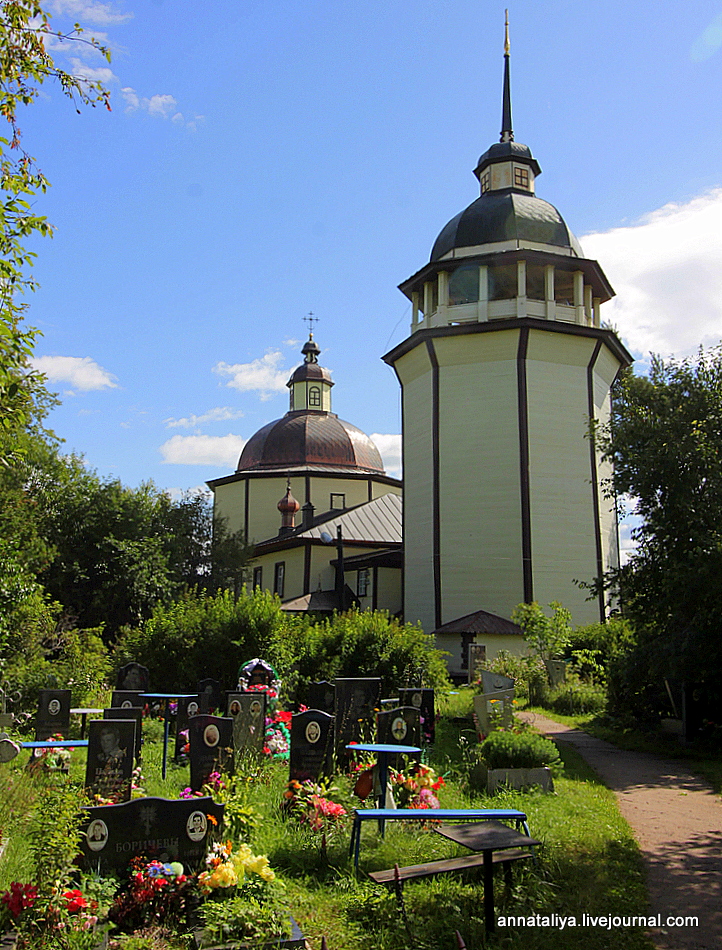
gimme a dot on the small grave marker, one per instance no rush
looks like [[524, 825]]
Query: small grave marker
[[126, 698], [356, 703], [134, 677], [423, 699], [493, 682], [477, 659], [212, 696], [321, 695], [311, 756], [53, 714], [249, 721], [400, 726], [135, 713], [188, 707], [211, 747], [168, 830], [109, 767]]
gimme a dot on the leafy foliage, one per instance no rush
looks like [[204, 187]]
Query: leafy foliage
[[547, 636]]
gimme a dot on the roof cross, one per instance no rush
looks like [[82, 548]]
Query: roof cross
[[310, 320]]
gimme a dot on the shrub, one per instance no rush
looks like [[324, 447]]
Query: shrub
[[528, 672], [576, 696], [526, 750]]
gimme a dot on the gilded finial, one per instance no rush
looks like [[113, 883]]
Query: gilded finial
[[506, 33]]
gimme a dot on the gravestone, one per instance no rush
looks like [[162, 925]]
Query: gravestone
[[211, 747], [129, 712], [477, 659], [556, 671], [53, 714], [187, 708], [320, 695], [311, 756], [157, 828], [400, 726], [494, 710], [8, 749], [134, 677], [109, 767], [249, 722], [126, 698], [212, 696], [356, 703], [423, 699], [492, 682]]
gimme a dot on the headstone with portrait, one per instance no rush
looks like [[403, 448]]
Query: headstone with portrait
[[423, 699], [53, 716], [211, 747], [187, 708], [126, 698], [357, 700], [133, 676], [157, 828], [311, 755], [248, 712], [111, 751], [213, 697], [320, 695], [400, 726], [129, 712]]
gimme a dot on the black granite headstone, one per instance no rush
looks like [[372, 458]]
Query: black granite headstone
[[126, 698], [400, 726], [111, 750], [188, 707], [134, 677], [211, 747], [53, 714], [356, 702], [212, 696], [129, 712], [158, 828], [249, 721], [312, 736], [423, 699], [320, 696]]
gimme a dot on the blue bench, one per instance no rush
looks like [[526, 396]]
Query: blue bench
[[382, 815]]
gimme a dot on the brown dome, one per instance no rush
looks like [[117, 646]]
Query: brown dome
[[308, 439]]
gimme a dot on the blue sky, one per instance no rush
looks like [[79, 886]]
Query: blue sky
[[266, 160]]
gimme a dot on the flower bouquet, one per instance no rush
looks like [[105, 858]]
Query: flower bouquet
[[416, 787]]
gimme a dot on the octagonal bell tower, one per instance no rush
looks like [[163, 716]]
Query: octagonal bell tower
[[505, 364]]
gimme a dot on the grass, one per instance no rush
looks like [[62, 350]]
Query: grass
[[589, 862]]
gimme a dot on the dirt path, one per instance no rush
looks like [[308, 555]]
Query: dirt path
[[677, 820]]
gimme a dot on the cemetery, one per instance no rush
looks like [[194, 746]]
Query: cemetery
[[262, 807]]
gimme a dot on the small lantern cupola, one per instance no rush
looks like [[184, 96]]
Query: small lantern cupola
[[289, 507], [310, 384]]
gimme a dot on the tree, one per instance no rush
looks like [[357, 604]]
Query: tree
[[664, 439], [25, 65]]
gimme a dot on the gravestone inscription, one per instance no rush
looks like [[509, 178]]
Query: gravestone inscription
[[129, 712], [312, 736], [211, 747], [157, 828], [248, 712], [111, 749], [133, 676], [53, 714], [423, 699]]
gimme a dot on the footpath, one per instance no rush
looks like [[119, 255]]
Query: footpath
[[677, 820]]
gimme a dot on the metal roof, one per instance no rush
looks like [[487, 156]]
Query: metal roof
[[377, 521], [480, 622]]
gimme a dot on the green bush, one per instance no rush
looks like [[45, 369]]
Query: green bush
[[360, 643], [525, 750], [528, 672], [201, 635], [577, 696]]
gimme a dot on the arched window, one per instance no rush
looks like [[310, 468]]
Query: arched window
[[314, 396]]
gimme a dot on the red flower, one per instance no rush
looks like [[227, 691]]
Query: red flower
[[19, 897], [74, 901]]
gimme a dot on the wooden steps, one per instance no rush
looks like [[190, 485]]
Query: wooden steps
[[448, 864]]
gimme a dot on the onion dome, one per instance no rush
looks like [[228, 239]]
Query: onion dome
[[289, 508], [310, 436]]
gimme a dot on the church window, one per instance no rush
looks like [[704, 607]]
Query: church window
[[257, 577], [279, 578], [521, 177], [535, 286], [362, 583], [564, 287], [485, 181], [314, 396], [338, 500], [464, 285], [503, 283]]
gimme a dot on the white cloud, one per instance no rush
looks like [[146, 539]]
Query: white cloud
[[220, 414], [81, 70], [261, 375], [80, 371], [160, 106], [667, 275], [390, 448], [223, 451], [178, 494], [89, 11]]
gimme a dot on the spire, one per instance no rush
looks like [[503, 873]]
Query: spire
[[507, 133]]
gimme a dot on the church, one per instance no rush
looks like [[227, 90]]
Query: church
[[506, 363]]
